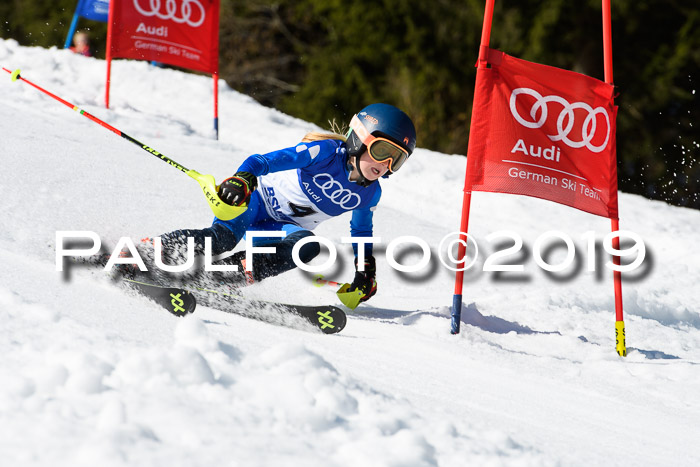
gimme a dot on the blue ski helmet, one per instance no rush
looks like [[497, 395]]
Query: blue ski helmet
[[382, 121]]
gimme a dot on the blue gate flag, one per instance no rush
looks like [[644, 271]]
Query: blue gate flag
[[96, 10]]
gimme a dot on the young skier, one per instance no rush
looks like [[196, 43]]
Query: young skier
[[81, 44], [295, 189]]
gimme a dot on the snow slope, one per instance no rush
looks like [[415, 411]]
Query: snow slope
[[92, 376]]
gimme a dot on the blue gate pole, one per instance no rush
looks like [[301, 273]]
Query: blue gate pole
[[71, 31]]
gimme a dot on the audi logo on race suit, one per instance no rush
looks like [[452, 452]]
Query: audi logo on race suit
[[565, 120], [191, 12], [335, 192]]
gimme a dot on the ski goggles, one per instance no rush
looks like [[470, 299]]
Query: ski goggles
[[380, 149]]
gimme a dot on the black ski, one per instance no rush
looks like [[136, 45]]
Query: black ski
[[176, 300], [328, 319], [180, 301]]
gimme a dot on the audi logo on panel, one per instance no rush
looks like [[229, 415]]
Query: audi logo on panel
[[332, 188], [190, 12], [565, 120]]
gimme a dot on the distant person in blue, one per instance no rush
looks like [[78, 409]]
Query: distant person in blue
[[295, 189]]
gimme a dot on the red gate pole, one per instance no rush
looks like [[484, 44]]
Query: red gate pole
[[620, 344], [108, 57], [467, 199], [216, 104]]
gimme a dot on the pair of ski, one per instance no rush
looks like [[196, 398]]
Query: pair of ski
[[179, 301]]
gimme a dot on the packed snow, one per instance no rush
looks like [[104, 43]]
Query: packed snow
[[90, 375]]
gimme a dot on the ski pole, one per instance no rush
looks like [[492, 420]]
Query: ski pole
[[207, 182], [347, 298], [319, 281]]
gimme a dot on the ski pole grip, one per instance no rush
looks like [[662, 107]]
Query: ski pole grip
[[223, 211]]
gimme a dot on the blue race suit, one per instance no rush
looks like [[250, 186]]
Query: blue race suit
[[298, 188]]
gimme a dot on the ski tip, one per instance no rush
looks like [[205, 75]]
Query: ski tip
[[182, 303], [179, 302], [331, 320]]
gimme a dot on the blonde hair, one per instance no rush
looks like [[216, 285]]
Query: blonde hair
[[336, 132], [80, 35]]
